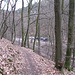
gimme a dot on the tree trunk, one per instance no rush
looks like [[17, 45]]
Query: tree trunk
[[27, 32], [13, 36], [70, 34], [37, 30], [58, 49], [22, 44], [62, 6]]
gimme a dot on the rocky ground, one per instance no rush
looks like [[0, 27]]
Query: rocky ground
[[15, 60]]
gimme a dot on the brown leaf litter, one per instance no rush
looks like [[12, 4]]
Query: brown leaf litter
[[15, 60]]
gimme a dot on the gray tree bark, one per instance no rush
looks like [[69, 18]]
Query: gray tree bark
[[70, 34], [22, 44], [58, 46]]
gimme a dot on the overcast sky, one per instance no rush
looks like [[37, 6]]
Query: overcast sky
[[25, 3], [18, 5]]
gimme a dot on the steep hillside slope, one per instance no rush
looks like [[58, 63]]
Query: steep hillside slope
[[15, 60]]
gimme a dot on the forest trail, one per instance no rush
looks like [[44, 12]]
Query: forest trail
[[37, 65], [34, 65], [31, 68]]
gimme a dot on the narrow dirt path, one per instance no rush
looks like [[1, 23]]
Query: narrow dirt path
[[30, 68], [37, 65]]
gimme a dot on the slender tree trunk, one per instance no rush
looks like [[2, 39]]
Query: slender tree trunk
[[13, 36], [35, 35], [27, 32], [70, 34], [58, 48], [22, 44], [37, 30], [62, 6]]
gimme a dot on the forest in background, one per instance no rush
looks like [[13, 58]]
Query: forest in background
[[47, 27]]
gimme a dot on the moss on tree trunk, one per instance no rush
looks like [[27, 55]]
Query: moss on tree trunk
[[70, 34]]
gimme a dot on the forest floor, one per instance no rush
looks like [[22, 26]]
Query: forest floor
[[16, 60]]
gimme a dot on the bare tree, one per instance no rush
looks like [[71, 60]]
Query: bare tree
[[37, 29], [13, 33], [27, 32], [4, 26]]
